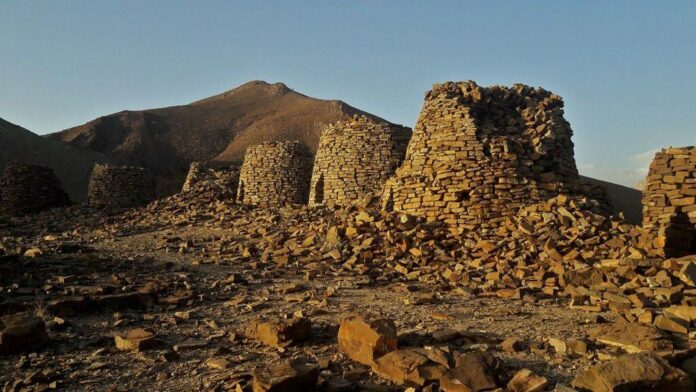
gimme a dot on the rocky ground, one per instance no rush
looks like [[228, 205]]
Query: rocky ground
[[197, 293]]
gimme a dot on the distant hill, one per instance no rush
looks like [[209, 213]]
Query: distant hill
[[218, 128], [72, 166], [623, 199]]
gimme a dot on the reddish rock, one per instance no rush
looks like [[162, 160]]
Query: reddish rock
[[408, 366], [473, 372], [365, 341], [280, 334]]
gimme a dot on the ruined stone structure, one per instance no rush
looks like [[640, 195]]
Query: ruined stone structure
[[28, 189], [669, 203], [274, 174], [205, 174], [479, 154], [116, 187], [356, 157]]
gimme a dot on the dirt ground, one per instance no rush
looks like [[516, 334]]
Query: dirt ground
[[226, 295]]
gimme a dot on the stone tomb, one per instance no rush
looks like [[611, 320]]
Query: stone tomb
[[274, 174], [116, 187], [28, 189], [669, 203], [478, 154], [355, 158], [224, 178]]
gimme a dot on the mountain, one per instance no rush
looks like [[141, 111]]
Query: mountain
[[218, 128], [622, 198], [72, 166]]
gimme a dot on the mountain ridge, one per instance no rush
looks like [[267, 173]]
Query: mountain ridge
[[72, 166]]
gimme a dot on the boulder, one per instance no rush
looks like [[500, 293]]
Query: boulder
[[20, 332], [525, 380], [280, 334], [135, 340], [409, 366], [365, 341], [292, 376], [632, 337], [634, 372], [473, 372]]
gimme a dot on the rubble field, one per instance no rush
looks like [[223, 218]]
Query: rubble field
[[196, 292]]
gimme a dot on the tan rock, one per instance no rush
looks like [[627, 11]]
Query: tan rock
[[640, 371], [473, 372], [525, 380], [632, 337], [293, 376], [512, 345], [280, 334], [365, 341], [667, 324], [135, 340], [218, 363], [408, 366], [33, 252]]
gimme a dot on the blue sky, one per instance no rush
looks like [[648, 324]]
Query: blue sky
[[626, 69]]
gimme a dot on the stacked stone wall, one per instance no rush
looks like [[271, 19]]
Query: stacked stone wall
[[669, 203], [274, 174], [224, 179], [355, 158], [479, 154], [116, 187], [28, 189]]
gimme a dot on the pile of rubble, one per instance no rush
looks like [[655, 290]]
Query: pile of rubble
[[274, 174], [28, 189], [117, 187], [669, 203], [355, 158], [478, 154], [205, 177]]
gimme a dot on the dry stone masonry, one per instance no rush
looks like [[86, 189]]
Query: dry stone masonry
[[355, 158], [116, 187], [275, 174], [28, 189], [669, 203], [203, 175], [479, 154]]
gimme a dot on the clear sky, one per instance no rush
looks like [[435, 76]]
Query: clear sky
[[626, 69]]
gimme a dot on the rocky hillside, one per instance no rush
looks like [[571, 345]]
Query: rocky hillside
[[71, 165], [218, 128]]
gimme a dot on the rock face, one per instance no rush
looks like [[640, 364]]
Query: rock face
[[479, 154], [28, 189], [365, 341], [21, 332], [117, 187], [205, 175], [669, 203], [355, 158], [275, 174], [634, 372]]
